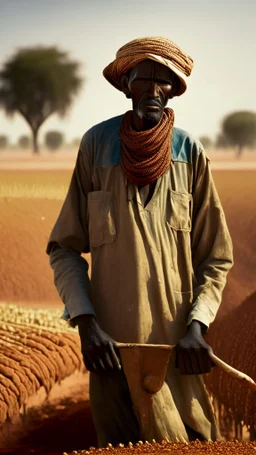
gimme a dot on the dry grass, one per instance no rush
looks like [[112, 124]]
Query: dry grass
[[34, 191], [45, 318], [34, 184]]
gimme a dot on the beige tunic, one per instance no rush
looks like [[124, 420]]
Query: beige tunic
[[154, 268]]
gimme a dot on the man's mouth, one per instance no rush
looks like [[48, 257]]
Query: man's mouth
[[152, 105]]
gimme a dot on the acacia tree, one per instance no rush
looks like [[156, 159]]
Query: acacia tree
[[38, 82], [54, 139], [239, 129]]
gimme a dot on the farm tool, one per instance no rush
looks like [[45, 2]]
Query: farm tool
[[145, 367]]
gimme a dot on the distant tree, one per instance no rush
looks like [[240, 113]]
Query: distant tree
[[221, 141], [53, 140], [206, 141], [3, 141], [239, 129], [38, 82], [24, 141]]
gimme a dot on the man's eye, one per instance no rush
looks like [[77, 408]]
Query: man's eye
[[145, 80]]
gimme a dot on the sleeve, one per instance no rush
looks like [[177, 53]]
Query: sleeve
[[68, 239], [211, 245]]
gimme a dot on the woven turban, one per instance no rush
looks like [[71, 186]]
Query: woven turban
[[161, 50]]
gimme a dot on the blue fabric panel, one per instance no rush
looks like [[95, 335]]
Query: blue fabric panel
[[184, 146], [107, 150]]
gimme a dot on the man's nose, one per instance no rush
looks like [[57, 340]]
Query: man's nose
[[153, 89]]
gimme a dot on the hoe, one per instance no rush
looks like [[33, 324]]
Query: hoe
[[145, 367]]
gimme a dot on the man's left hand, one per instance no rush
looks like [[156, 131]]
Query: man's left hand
[[192, 352]]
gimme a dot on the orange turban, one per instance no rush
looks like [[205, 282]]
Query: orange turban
[[161, 50]]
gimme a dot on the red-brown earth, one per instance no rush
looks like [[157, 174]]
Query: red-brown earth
[[26, 277]]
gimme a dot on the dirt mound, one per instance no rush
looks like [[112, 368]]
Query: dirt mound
[[234, 339]]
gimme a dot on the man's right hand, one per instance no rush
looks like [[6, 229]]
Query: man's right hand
[[99, 349]]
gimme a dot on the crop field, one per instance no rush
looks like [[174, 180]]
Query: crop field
[[30, 201]]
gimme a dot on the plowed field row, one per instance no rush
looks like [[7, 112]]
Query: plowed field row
[[32, 356]]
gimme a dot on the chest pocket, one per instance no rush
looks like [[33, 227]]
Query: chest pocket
[[101, 218], [179, 210]]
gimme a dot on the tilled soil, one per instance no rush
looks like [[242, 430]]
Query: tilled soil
[[167, 448], [63, 423]]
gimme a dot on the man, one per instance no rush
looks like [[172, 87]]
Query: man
[[143, 202]]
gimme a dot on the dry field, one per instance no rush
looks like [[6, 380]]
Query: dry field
[[30, 201], [237, 190], [29, 204]]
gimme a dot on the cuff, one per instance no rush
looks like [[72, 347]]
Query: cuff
[[203, 311], [71, 310]]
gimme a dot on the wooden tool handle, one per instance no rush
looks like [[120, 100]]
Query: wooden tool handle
[[140, 345], [249, 382]]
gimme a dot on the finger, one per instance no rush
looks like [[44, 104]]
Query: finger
[[210, 351], [117, 351], [208, 362], [107, 362], [194, 359], [114, 358], [212, 363], [98, 367], [100, 364], [93, 366], [93, 363], [204, 361], [187, 362]]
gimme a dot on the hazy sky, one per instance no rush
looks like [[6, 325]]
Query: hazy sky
[[220, 36]]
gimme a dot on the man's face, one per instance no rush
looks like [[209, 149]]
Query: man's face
[[150, 86]]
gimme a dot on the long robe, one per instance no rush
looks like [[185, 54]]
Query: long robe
[[155, 268]]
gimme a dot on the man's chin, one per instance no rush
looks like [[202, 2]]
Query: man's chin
[[152, 118]]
